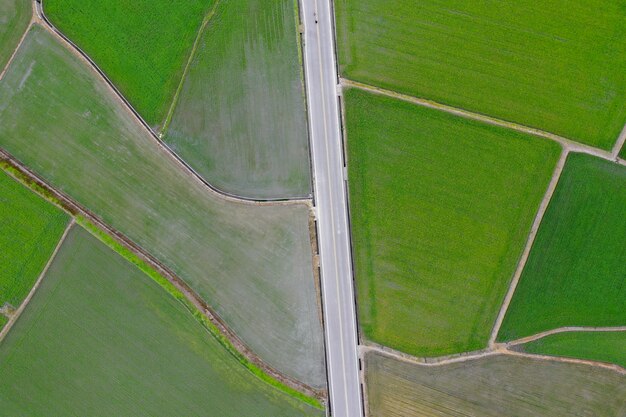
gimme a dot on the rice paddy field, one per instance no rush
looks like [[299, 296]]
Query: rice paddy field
[[142, 45], [441, 208], [101, 338], [30, 228], [552, 65], [575, 273], [14, 18], [493, 386], [252, 264], [597, 346], [240, 118]]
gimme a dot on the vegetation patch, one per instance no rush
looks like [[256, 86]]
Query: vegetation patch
[[492, 387], [551, 65], [142, 45], [14, 18], [240, 118], [595, 346], [252, 264], [575, 273], [99, 335], [30, 228], [441, 208]]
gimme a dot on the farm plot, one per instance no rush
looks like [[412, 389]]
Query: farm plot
[[575, 273], [552, 65], [493, 386], [240, 118], [14, 18], [142, 45], [251, 263], [597, 346], [29, 231], [441, 207], [101, 338]]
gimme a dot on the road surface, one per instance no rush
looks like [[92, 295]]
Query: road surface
[[331, 209]]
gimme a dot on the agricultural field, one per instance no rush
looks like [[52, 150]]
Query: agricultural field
[[240, 118], [441, 208], [100, 337], [575, 273], [251, 263], [142, 45], [14, 18], [597, 346], [553, 65], [29, 231], [493, 386]]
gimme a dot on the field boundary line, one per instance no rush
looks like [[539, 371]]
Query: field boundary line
[[5, 330], [597, 364], [428, 361], [24, 175], [72, 47], [205, 22], [619, 144], [543, 206], [566, 143], [33, 20], [566, 329]]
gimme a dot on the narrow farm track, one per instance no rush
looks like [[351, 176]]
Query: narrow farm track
[[33, 19], [619, 144], [612, 367], [42, 20], [567, 144], [529, 244], [566, 329], [20, 309], [21, 173]]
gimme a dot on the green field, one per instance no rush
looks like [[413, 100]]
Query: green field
[[575, 273], [101, 338], [493, 387], [597, 346], [441, 208], [555, 65], [240, 119], [29, 231], [252, 264], [14, 18], [142, 45]]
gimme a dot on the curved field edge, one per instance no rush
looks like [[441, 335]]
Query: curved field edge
[[574, 273], [14, 16], [494, 386], [163, 282], [251, 262], [121, 327], [595, 346], [240, 118], [155, 37]]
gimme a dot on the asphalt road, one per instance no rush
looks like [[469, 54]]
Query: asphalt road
[[331, 209]]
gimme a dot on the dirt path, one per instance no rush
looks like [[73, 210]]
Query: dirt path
[[529, 243], [567, 144], [566, 329], [18, 312], [619, 143], [597, 364], [33, 19]]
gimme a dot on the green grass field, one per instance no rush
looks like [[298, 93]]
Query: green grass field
[[575, 273], [101, 338], [493, 387], [240, 120], [441, 207], [252, 264], [142, 45], [553, 65], [29, 231], [597, 346], [14, 18]]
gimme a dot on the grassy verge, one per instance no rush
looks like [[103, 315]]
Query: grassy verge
[[575, 272]]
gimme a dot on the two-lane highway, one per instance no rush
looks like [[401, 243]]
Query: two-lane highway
[[332, 211]]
